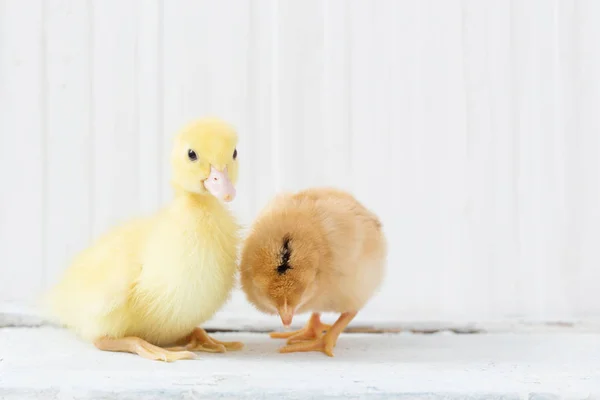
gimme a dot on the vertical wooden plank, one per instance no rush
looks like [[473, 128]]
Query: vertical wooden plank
[[475, 282], [567, 124], [335, 166], [150, 102], [369, 129], [552, 169], [300, 75], [115, 114], [526, 126], [492, 207], [263, 83], [587, 87], [403, 182], [447, 141], [541, 162], [22, 149], [437, 152], [68, 134], [501, 231]]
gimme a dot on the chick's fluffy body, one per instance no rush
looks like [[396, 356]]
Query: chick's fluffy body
[[337, 253], [156, 278]]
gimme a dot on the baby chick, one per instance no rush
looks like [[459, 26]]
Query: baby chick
[[152, 281], [318, 250]]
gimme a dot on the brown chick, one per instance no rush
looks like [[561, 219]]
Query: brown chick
[[317, 250]]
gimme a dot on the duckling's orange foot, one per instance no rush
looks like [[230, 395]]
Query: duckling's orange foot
[[199, 340], [323, 344], [142, 348], [230, 346], [313, 330]]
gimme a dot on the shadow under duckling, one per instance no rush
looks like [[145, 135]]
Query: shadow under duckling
[[152, 281], [317, 250]]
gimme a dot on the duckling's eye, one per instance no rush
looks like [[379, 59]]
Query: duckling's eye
[[234, 154], [192, 155]]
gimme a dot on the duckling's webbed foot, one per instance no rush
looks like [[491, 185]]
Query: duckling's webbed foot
[[199, 340], [230, 346], [324, 343], [313, 329], [142, 348]]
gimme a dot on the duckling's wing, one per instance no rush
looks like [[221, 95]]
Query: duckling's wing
[[109, 287], [100, 279]]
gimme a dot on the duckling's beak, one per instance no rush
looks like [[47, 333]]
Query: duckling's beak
[[219, 185]]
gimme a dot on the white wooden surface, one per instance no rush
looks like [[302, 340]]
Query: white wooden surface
[[471, 127], [505, 366]]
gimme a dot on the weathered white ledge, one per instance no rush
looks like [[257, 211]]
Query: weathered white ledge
[[47, 363]]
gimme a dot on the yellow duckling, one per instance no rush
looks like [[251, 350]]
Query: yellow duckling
[[151, 282]]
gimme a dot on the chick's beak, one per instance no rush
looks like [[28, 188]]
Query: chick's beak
[[219, 185], [287, 314]]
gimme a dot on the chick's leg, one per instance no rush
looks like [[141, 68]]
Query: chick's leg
[[324, 343], [199, 340], [142, 348], [312, 330]]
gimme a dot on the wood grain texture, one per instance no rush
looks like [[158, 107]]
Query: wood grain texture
[[23, 154], [150, 101], [69, 160], [116, 144], [471, 127]]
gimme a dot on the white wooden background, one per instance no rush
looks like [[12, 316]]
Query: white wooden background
[[471, 127]]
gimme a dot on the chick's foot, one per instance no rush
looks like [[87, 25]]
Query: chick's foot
[[324, 343], [199, 340], [313, 329], [142, 348]]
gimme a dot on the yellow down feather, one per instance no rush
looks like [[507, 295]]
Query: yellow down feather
[[160, 276]]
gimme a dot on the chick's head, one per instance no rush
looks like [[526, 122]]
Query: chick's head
[[205, 160], [279, 265]]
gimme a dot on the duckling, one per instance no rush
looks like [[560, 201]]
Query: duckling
[[317, 250], [147, 285]]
